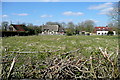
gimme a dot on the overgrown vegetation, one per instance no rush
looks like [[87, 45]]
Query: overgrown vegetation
[[60, 57]]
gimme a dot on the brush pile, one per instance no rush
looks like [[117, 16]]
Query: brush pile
[[70, 65]]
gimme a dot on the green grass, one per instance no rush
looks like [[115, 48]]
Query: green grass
[[87, 44]]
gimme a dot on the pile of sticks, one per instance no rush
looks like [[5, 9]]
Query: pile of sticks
[[63, 66]]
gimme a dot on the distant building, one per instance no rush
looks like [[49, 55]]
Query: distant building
[[103, 30], [52, 30], [14, 27]]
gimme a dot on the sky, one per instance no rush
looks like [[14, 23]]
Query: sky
[[60, 0], [39, 13]]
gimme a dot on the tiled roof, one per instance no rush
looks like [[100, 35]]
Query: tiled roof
[[102, 28], [18, 27]]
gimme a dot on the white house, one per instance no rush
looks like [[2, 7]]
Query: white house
[[103, 30]]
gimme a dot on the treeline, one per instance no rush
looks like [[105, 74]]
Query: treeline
[[70, 28]]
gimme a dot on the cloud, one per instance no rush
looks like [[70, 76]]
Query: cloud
[[101, 6], [104, 8], [46, 16], [106, 11], [21, 14], [94, 20], [4, 16], [70, 13]]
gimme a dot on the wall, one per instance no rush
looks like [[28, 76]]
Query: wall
[[104, 32]]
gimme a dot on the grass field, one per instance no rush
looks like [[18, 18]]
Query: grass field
[[49, 46], [87, 44]]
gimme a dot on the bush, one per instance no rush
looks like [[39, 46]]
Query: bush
[[110, 33], [69, 32]]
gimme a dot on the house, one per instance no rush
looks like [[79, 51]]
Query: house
[[16, 30], [52, 30], [14, 27], [85, 33], [103, 30]]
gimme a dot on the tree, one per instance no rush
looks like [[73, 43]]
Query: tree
[[71, 25], [29, 25], [80, 26], [63, 24], [115, 16], [114, 13], [70, 28], [4, 25], [114, 26], [87, 25]]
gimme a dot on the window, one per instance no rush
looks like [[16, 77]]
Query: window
[[44, 29], [98, 33]]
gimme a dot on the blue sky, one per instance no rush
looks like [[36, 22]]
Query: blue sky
[[60, 0], [41, 12]]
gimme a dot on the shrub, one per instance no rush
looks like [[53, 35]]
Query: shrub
[[69, 32], [110, 33]]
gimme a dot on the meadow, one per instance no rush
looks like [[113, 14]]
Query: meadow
[[60, 56]]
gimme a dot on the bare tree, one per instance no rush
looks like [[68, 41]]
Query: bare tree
[[71, 25], [115, 16], [114, 13], [87, 25], [4, 25]]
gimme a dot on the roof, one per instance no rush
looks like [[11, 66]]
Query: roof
[[50, 27], [103, 28], [19, 27]]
